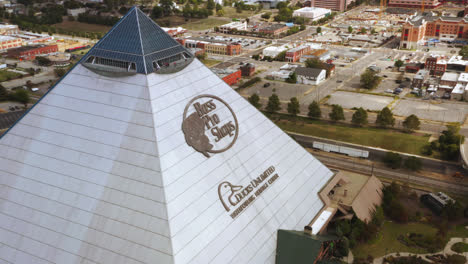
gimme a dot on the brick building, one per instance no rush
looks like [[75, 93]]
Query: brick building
[[247, 69], [230, 76], [7, 42], [274, 29], [30, 52], [295, 54], [420, 27], [435, 65], [335, 5], [428, 4], [212, 46]]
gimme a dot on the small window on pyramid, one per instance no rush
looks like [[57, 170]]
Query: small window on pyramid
[[173, 63]]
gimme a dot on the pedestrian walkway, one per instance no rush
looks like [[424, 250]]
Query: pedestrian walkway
[[446, 251]]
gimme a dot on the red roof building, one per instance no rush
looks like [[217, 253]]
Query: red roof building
[[30, 52]]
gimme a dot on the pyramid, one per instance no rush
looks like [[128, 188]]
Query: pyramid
[[141, 154]]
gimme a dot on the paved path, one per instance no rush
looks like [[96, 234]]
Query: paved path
[[446, 251]]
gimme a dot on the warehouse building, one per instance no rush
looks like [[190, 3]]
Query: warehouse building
[[30, 52], [312, 13]]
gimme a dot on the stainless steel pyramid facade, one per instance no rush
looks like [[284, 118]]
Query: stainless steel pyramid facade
[[150, 168]]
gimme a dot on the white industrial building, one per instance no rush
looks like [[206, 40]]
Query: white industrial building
[[237, 25], [313, 13], [273, 51], [141, 154]]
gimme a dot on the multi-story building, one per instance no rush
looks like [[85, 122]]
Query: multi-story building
[[429, 4], [420, 78], [247, 69], [296, 53], [212, 46], [435, 65], [7, 29], [274, 29], [335, 5], [30, 52], [419, 27], [7, 42]]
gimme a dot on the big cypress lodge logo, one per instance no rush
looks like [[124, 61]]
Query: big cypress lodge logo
[[209, 125], [238, 198]]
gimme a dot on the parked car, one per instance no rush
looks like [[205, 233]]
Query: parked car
[[266, 85], [339, 81], [34, 89], [401, 86], [446, 96], [415, 91], [397, 91], [407, 79], [385, 76], [398, 81], [389, 91]]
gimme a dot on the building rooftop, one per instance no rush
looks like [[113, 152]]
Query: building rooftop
[[463, 77], [457, 60], [459, 88], [421, 74], [29, 47], [7, 38], [450, 76], [310, 72]]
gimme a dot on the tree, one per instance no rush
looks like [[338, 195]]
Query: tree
[[254, 99], [413, 163], [60, 72], [342, 247], [292, 78], [385, 118], [337, 113], [369, 79], [411, 123], [3, 93], [274, 104], [293, 106], [398, 63], [359, 117], [157, 12], [363, 31], [218, 7], [373, 31], [392, 160], [281, 56], [210, 4], [314, 110], [319, 30], [266, 15], [463, 51], [313, 63], [43, 61], [20, 96], [167, 6], [350, 29]]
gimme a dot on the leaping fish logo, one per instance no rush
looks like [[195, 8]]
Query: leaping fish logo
[[230, 190]]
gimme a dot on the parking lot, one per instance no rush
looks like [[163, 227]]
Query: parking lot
[[367, 101], [445, 111]]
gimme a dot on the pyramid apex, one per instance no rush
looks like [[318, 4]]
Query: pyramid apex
[[136, 44]]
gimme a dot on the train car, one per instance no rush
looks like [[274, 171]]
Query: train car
[[82, 47], [352, 152]]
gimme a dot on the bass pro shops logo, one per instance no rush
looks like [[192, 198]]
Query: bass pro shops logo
[[209, 125]]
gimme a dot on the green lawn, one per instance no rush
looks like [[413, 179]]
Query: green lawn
[[8, 75], [232, 13], [460, 247], [388, 241], [374, 137], [210, 62], [204, 24]]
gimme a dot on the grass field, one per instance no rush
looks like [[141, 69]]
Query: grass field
[[374, 137], [204, 24], [232, 13], [460, 247], [210, 62], [8, 75], [76, 26], [388, 241]]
